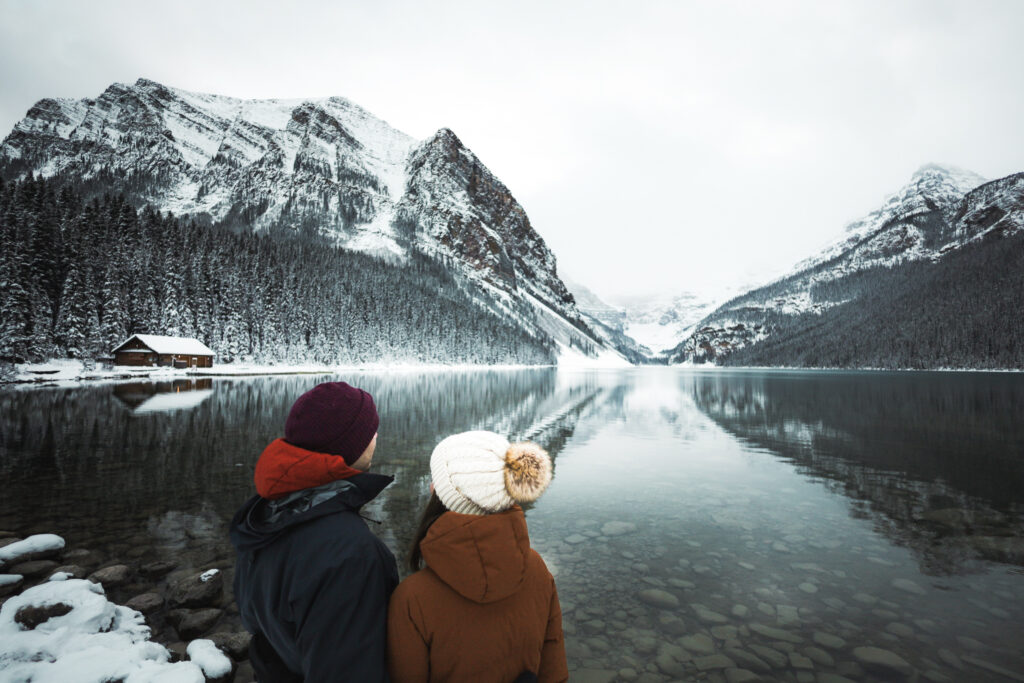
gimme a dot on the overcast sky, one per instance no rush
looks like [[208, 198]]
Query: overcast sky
[[656, 146]]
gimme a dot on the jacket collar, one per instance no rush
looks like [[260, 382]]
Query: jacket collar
[[284, 468], [260, 521], [352, 493]]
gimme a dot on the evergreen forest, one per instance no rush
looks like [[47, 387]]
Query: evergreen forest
[[78, 276]]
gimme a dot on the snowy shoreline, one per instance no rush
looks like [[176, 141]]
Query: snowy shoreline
[[788, 368], [70, 373], [66, 372]]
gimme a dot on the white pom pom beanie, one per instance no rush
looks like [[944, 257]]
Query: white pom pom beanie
[[479, 473]]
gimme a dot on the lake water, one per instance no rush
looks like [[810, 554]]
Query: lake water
[[698, 522]]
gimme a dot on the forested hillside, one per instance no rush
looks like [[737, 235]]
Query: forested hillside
[[78, 277], [963, 310], [931, 279], [323, 168]]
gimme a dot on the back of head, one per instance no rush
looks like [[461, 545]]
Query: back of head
[[480, 473], [334, 418], [328, 430]]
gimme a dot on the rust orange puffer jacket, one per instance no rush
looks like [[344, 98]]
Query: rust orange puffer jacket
[[485, 608]]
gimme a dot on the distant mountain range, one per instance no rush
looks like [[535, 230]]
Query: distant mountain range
[[933, 278], [323, 167], [654, 324]]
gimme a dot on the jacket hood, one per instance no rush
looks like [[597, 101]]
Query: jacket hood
[[284, 468], [259, 521], [481, 557]]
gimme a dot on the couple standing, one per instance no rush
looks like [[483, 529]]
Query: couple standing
[[320, 594]]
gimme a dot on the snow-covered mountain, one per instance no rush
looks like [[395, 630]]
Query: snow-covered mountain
[[322, 166], [939, 212], [609, 323], [910, 225], [655, 323], [660, 323]]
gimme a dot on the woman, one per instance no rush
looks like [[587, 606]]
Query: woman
[[484, 608]]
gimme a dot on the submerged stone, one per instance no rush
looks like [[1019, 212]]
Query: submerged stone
[[698, 643], [819, 656], [747, 660], [881, 660], [829, 640], [712, 662], [741, 676], [798, 661], [773, 633], [708, 616], [770, 655], [618, 528], [659, 598]]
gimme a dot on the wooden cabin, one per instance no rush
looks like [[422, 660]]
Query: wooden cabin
[[151, 350]]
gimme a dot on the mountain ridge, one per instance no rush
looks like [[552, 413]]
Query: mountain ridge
[[934, 215], [322, 166]]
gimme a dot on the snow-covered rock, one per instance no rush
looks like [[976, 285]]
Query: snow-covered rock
[[10, 583], [37, 547], [214, 663], [67, 630]]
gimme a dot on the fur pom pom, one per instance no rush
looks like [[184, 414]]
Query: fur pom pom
[[527, 471]]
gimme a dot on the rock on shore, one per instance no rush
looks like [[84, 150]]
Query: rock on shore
[[50, 617]]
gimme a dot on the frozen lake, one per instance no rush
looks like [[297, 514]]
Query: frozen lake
[[799, 525]]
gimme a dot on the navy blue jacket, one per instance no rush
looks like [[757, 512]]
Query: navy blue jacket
[[312, 583]]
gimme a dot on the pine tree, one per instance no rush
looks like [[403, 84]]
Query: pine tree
[[113, 325], [77, 328]]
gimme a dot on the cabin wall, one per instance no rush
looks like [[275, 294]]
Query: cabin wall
[[150, 359]]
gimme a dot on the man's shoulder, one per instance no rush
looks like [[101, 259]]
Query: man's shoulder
[[336, 542], [338, 530]]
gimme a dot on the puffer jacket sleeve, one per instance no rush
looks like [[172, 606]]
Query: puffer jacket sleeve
[[341, 619], [553, 666], [408, 654]]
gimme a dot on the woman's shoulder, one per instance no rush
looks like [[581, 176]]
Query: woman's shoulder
[[415, 584], [535, 564]]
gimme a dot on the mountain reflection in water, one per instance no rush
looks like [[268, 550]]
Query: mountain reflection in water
[[935, 459]]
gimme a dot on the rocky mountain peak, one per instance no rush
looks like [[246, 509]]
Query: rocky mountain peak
[[321, 165]]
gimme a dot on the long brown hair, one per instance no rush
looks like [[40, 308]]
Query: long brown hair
[[435, 508]]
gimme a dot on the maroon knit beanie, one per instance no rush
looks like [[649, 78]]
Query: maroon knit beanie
[[334, 418]]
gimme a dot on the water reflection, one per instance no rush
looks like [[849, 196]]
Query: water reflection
[[698, 523], [159, 397], [934, 459]]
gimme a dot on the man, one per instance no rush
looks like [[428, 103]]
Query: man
[[312, 582]]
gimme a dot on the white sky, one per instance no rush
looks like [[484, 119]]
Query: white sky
[[656, 146]]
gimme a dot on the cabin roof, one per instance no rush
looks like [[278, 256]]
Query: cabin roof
[[184, 346]]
